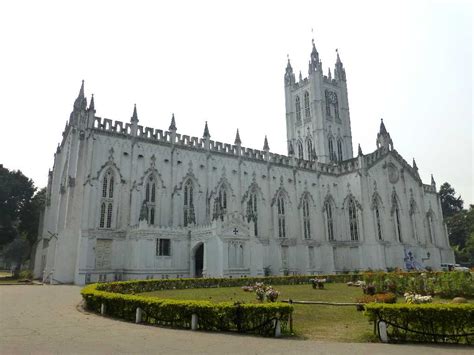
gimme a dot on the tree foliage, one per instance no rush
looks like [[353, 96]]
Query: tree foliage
[[20, 207], [450, 204]]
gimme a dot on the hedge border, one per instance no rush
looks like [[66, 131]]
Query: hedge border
[[433, 323], [260, 319]]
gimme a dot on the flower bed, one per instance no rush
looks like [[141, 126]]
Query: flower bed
[[437, 323], [226, 316]]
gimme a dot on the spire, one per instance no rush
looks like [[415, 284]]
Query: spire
[[359, 151], [265, 144], [172, 126], [314, 62], [383, 130], [91, 104], [339, 71], [329, 74], [134, 118], [433, 183], [301, 76], [289, 75], [237, 138], [206, 132], [414, 164], [81, 102]]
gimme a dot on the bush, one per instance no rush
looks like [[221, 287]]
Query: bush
[[378, 298], [26, 274], [438, 322], [227, 316]]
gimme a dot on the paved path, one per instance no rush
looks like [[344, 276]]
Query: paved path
[[45, 320]]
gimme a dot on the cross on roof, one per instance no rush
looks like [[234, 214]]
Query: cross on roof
[[235, 231]]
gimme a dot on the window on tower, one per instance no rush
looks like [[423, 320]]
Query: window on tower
[[300, 150], [306, 218], [150, 199], [339, 150], [307, 111], [106, 203], [298, 109]]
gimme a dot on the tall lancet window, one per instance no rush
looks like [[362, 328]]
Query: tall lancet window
[[329, 220], [306, 218], [309, 146], [281, 217], [354, 229], [298, 108], [150, 199], [189, 217], [378, 222], [106, 203], [332, 154], [397, 217], [220, 204], [339, 150], [307, 112], [300, 150], [252, 211], [429, 217]]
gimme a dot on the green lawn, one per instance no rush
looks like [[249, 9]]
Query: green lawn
[[317, 322]]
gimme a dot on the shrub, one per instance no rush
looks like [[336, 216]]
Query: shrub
[[26, 274], [436, 322], [413, 298], [378, 298], [227, 316]]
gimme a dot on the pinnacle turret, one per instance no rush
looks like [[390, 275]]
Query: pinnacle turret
[[289, 75], [359, 151], [134, 118], [383, 137], [265, 144], [206, 131], [172, 126], [92, 104], [414, 164], [81, 101], [433, 183], [383, 130], [339, 71], [237, 138]]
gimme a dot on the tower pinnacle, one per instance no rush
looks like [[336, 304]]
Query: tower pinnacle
[[237, 138], [206, 132], [172, 126], [265, 144], [134, 118]]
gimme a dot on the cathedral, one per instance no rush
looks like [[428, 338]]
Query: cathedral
[[131, 202]]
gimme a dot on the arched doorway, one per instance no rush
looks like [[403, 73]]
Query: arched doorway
[[199, 260]]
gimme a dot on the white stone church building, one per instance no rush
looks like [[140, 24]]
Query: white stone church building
[[126, 201]]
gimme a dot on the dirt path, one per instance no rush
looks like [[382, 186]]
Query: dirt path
[[45, 320]]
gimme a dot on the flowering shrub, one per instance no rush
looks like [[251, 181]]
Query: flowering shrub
[[378, 298], [247, 288], [263, 292], [318, 283], [271, 294], [413, 298]]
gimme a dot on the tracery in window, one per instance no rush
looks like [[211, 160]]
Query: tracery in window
[[252, 211], [339, 150], [300, 150], [309, 147], [307, 111], [189, 217], [332, 153], [354, 229], [220, 204], [329, 220], [306, 218], [150, 199], [106, 203], [298, 109], [281, 216]]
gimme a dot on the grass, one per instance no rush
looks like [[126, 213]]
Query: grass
[[316, 322]]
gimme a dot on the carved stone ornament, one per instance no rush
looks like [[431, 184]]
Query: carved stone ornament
[[393, 174]]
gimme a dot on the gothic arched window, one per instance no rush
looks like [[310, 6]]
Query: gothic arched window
[[150, 199], [354, 229], [300, 150], [298, 108], [329, 220], [189, 216], [397, 217], [220, 204], [306, 218], [332, 154], [307, 112], [252, 211], [378, 222], [339, 150], [281, 216], [106, 204], [429, 217], [309, 147]]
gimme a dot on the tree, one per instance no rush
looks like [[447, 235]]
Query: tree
[[461, 235], [16, 191], [450, 204], [30, 216]]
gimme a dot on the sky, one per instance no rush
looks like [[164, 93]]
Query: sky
[[408, 62]]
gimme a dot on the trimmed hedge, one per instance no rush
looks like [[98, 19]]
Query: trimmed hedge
[[140, 286], [227, 316], [434, 323]]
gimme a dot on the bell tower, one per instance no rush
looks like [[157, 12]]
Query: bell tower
[[317, 112]]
